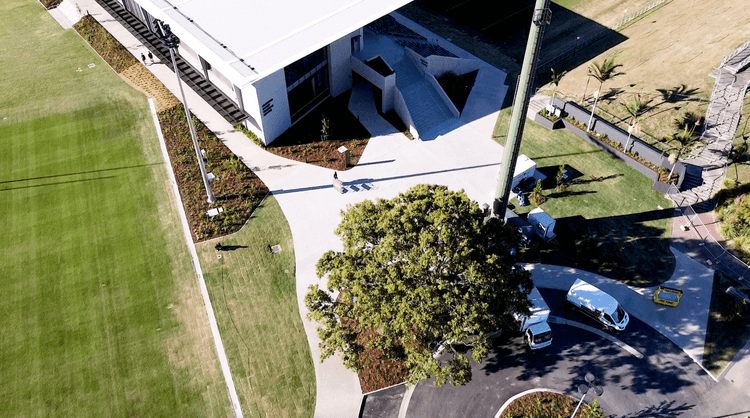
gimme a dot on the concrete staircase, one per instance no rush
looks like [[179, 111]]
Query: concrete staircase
[[70, 11], [536, 104], [722, 120], [427, 109]]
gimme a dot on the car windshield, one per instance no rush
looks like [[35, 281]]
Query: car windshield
[[619, 314], [543, 337]]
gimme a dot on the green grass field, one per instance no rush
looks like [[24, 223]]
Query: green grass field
[[610, 224], [254, 297], [101, 312]]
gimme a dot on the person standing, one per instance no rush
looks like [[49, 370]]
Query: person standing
[[151, 57], [143, 58]]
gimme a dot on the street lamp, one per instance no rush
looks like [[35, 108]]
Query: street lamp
[[585, 389], [171, 41]]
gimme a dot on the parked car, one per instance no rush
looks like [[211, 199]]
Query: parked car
[[597, 304]]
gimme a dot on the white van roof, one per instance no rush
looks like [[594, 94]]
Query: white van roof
[[592, 297]]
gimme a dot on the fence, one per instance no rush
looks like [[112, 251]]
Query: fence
[[624, 21], [717, 253]]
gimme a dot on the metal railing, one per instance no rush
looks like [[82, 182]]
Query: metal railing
[[639, 13]]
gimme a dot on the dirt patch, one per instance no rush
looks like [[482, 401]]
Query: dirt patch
[[674, 48], [143, 80], [308, 142]]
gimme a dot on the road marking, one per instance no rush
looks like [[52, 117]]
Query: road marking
[[563, 321]]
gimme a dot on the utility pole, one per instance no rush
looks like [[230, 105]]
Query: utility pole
[[542, 16], [171, 41]]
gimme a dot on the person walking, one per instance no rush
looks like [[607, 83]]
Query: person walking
[[143, 58], [151, 57]]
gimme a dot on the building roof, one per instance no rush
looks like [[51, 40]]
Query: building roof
[[257, 38]]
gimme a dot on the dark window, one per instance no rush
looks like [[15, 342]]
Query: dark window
[[308, 93], [297, 70]]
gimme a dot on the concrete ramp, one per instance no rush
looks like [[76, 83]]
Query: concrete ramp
[[425, 106]]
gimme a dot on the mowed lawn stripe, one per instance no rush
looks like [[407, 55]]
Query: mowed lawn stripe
[[254, 296], [101, 312]]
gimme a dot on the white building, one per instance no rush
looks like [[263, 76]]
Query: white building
[[276, 59]]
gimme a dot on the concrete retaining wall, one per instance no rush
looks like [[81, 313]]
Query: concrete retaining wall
[[399, 105]]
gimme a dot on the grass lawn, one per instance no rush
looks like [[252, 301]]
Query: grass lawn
[[101, 310], [608, 220], [728, 327], [254, 297]]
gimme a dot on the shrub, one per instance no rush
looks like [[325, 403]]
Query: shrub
[[537, 197]]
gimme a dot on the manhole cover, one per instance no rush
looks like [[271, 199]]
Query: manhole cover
[[276, 249]]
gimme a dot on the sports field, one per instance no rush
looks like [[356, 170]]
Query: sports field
[[100, 308]]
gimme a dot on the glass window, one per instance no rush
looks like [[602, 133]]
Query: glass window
[[300, 68]]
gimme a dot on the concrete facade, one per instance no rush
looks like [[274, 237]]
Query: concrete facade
[[251, 68]]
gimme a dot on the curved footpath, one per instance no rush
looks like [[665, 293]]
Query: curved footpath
[[464, 158]]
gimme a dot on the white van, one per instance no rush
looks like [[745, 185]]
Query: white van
[[599, 305]]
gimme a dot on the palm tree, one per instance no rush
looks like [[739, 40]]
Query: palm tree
[[602, 72], [635, 108], [685, 141], [556, 78]]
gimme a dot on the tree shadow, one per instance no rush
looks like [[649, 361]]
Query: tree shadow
[[618, 247], [665, 409], [681, 93]]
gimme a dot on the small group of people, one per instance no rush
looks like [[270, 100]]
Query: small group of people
[[150, 56]]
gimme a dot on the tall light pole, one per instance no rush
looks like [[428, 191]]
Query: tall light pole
[[172, 42], [585, 389], [540, 19]]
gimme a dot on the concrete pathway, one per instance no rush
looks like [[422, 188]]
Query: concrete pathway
[[465, 157]]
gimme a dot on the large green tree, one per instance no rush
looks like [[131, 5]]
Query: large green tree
[[423, 273]]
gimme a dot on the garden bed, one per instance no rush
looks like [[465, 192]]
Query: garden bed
[[236, 188], [652, 171], [550, 404], [116, 55], [304, 142]]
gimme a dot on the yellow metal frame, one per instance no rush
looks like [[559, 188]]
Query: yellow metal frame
[[662, 289]]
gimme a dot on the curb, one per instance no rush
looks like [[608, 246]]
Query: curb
[[507, 403], [220, 352]]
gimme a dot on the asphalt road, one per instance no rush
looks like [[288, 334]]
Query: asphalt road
[[664, 383]]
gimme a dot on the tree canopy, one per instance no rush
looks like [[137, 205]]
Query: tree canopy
[[425, 271]]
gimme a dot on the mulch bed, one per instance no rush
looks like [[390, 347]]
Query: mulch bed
[[116, 55], [304, 142], [543, 404], [376, 372], [236, 188]]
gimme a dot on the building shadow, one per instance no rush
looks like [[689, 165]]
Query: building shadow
[[569, 41]]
